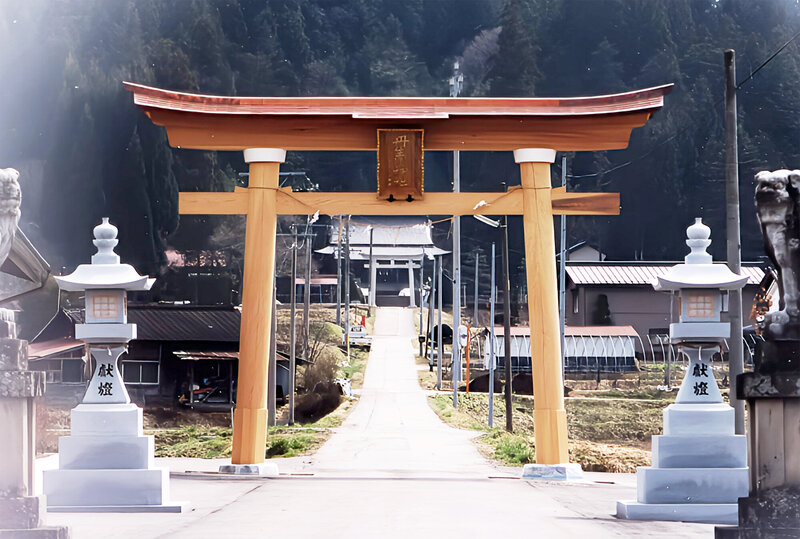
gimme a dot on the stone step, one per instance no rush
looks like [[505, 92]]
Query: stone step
[[691, 485], [105, 419], [698, 420], [106, 487], [700, 451], [709, 513], [105, 452]]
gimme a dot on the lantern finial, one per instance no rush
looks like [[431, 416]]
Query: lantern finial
[[698, 239], [105, 239]]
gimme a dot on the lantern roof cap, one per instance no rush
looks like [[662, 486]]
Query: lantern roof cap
[[105, 271], [698, 269]]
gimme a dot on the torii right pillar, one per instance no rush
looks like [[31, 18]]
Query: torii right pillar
[[549, 415]]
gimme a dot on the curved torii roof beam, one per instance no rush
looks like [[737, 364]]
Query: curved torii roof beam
[[349, 123]]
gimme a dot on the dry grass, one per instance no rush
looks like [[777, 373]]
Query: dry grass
[[606, 434]]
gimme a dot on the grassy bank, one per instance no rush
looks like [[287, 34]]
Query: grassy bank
[[203, 441], [606, 434]]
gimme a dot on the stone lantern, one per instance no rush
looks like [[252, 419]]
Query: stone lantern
[[106, 329], [699, 464], [106, 464]]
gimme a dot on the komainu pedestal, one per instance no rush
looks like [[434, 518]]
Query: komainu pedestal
[[772, 510], [772, 390], [20, 512]]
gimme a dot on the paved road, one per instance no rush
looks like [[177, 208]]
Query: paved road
[[392, 470]]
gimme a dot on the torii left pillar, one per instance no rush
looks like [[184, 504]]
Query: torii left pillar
[[549, 415], [250, 415]]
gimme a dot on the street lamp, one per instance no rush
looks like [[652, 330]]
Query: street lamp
[[506, 308]]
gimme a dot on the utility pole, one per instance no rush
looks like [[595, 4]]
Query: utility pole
[[507, 327], [421, 299], [347, 286], [439, 339], [491, 343], [293, 327], [307, 297], [736, 348], [456, 82], [562, 270], [339, 274], [431, 311], [373, 270], [475, 321]]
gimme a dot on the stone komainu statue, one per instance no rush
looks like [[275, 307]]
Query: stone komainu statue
[[778, 211], [10, 197]]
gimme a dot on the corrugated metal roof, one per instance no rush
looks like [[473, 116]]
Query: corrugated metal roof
[[635, 274], [180, 322], [198, 355], [600, 331], [327, 280], [41, 350]]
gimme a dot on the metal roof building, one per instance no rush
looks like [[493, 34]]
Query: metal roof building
[[386, 244]]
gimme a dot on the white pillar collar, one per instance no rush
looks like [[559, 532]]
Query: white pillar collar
[[534, 155], [264, 155]]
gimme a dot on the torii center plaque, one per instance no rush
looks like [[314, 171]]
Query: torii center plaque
[[400, 164]]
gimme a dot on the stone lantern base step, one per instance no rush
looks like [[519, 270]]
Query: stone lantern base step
[[170, 507], [709, 513], [106, 420], [699, 419], [700, 451], [691, 485], [45, 532], [104, 488], [105, 452]]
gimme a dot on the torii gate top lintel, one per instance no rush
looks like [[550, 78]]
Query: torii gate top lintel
[[349, 123]]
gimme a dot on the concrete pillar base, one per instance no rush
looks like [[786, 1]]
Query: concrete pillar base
[[552, 472], [264, 469]]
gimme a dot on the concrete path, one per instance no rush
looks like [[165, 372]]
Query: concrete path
[[392, 470]]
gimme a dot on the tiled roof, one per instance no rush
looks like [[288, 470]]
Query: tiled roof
[[634, 274]]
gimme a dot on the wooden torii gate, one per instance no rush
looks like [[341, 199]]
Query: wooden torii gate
[[265, 128]]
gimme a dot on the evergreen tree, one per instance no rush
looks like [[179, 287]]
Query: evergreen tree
[[515, 70]]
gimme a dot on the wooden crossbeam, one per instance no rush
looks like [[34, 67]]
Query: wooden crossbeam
[[289, 203]]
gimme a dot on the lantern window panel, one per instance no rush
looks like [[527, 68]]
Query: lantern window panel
[[700, 306], [105, 306]]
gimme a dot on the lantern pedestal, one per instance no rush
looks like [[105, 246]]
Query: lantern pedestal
[[106, 465]]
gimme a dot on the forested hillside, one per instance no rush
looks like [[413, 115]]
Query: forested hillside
[[85, 151]]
